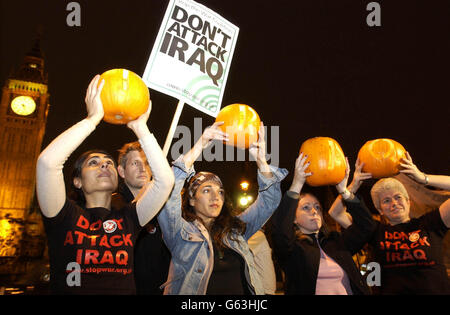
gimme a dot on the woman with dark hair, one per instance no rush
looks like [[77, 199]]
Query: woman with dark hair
[[315, 260], [91, 246], [77, 194], [210, 253]]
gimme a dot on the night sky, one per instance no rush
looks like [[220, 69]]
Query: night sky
[[313, 68]]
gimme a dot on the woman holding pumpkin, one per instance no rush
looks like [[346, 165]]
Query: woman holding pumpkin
[[210, 253], [90, 246], [409, 250], [314, 260]]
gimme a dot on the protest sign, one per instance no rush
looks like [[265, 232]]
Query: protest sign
[[192, 54]]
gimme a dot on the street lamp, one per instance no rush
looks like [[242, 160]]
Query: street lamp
[[244, 185], [245, 200]]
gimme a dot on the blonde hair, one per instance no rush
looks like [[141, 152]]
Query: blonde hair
[[125, 149], [386, 184]]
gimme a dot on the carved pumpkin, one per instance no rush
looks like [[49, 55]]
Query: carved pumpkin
[[241, 123], [125, 96], [327, 161], [381, 157]]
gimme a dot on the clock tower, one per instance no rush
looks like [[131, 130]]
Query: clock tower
[[23, 116]]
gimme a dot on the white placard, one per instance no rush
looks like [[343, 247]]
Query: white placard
[[191, 56]]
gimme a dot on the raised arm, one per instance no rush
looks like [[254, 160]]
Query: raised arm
[[50, 187], [209, 134], [269, 197], [444, 210], [411, 170], [257, 151], [170, 218], [155, 193], [361, 226], [283, 233], [438, 181], [269, 193], [338, 210]]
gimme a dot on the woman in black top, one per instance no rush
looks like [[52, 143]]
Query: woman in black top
[[91, 247], [314, 261], [409, 249]]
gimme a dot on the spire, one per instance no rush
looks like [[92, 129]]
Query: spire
[[32, 67], [36, 51]]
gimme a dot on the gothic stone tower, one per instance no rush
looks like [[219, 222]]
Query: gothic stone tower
[[23, 115]]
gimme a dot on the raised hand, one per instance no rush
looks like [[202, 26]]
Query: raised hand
[[209, 134], [411, 170], [93, 101], [212, 133], [258, 149], [342, 185], [139, 125], [358, 177], [300, 173]]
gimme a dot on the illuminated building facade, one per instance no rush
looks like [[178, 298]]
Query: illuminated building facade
[[23, 115]]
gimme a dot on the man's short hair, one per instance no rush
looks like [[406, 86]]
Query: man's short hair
[[385, 184], [125, 149]]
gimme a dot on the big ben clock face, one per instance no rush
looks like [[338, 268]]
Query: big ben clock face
[[23, 105]]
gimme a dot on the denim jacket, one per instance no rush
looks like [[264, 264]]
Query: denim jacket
[[190, 243]]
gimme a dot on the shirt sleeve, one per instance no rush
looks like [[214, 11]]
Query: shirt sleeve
[[266, 203], [156, 192], [67, 213], [362, 228], [170, 218], [433, 222], [50, 187], [283, 233]]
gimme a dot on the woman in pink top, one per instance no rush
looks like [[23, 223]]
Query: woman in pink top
[[316, 261]]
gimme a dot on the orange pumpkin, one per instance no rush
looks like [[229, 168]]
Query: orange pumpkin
[[125, 96], [327, 160], [241, 123], [381, 157]]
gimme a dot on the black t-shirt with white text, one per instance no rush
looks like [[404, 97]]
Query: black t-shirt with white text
[[97, 242], [410, 255]]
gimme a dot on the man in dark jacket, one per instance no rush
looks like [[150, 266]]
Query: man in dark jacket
[[152, 258]]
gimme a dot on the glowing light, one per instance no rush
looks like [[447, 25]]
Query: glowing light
[[245, 200], [5, 229], [244, 185]]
